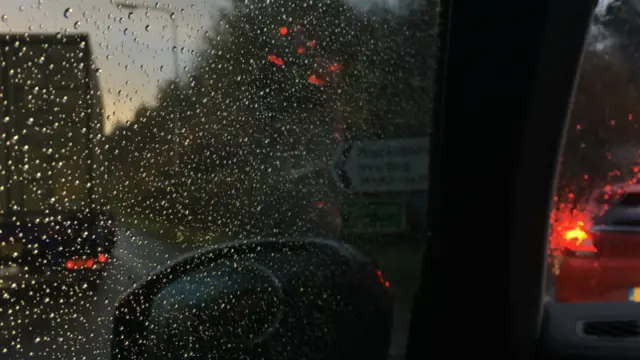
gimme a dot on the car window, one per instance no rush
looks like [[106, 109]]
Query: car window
[[630, 200], [599, 168], [161, 127]]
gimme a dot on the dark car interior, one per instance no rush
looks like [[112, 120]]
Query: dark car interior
[[508, 72]]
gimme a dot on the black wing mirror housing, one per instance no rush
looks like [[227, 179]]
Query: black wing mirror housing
[[258, 299]]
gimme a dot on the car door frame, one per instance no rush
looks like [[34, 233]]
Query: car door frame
[[506, 77]]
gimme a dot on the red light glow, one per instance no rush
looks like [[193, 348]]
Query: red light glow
[[275, 60], [383, 281], [335, 67], [316, 80], [87, 263]]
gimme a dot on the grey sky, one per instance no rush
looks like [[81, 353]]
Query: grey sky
[[133, 51]]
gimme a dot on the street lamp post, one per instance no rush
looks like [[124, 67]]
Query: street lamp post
[[176, 61]]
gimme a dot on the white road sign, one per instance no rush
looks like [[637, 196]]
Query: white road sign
[[383, 166]]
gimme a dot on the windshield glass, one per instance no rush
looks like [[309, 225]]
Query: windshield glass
[[135, 131], [599, 168]]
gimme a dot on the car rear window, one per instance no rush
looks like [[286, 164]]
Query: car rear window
[[631, 199]]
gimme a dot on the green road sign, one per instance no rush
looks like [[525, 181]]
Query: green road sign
[[364, 216]]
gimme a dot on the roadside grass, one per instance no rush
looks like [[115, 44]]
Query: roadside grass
[[399, 259], [170, 232]]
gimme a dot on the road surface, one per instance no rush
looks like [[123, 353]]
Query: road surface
[[72, 326]]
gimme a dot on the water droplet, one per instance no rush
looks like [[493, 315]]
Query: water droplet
[[130, 15], [68, 12], [172, 16], [147, 28], [5, 18], [126, 31], [76, 25]]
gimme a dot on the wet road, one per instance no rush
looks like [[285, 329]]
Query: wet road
[[78, 326]]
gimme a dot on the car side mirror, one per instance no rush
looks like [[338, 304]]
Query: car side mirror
[[266, 299]]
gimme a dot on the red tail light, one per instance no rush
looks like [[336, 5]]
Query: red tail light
[[85, 263], [75, 264]]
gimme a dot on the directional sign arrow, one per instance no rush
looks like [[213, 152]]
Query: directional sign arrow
[[338, 170]]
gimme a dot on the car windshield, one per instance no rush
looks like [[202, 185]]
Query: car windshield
[[599, 168], [136, 131]]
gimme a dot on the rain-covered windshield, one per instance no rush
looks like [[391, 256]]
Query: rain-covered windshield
[[135, 131]]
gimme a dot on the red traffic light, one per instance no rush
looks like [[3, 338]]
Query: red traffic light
[[284, 31]]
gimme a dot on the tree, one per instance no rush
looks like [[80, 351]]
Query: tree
[[601, 120], [270, 87]]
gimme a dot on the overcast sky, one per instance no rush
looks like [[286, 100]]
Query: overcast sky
[[133, 51]]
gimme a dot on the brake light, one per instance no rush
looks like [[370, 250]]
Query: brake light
[[85, 263], [75, 264]]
